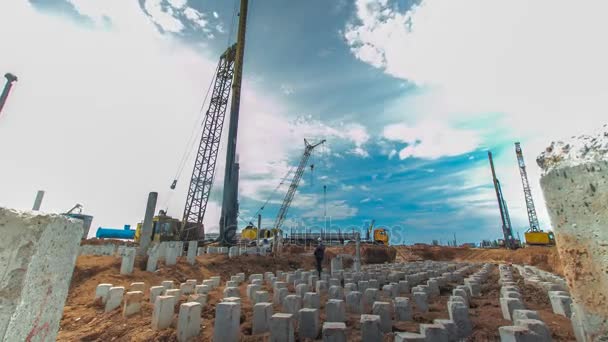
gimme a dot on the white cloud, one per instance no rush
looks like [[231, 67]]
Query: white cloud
[[365, 200], [178, 3], [365, 188], [345, 187], [167, 21], [287, 89], [489, 55], [196, 17], [215, 15], [336, 210], [431, 139], [392, 153]]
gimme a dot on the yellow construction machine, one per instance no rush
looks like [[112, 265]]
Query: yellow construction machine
[[380, 235], [250, 233], [164, 228], [539, 238]]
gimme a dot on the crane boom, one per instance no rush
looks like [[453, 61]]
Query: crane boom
[[507, 230], [534, 226], [206, 157], [294, 183]]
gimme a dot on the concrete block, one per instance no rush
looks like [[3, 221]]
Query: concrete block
[[257, 282], [189, 319], [384, 310], [186, 288], [232, 292], [261, 297], [128, 260], [561, 305], [37, 254], [334, 282], [232, 300], [308, 323], [279, 295], [101, 291], [192, 249], [114, 300], [171, 253], [202, 289], [156, 291], [404, 287], [403, 309], [336, 292], [459, 314], [132, 303], [167, 284], [232, 283], [162, 315], [434, 332], [370, 328], [421, 301], [198, 298], [262, 314], [474, 288], [210, 283], [516, 334], [301, 289], [291, 304], [282, 328], [233, 252], [409, 337], [433, 287], [227, 322], [334, 332], [312, 300], [139, 286], [450, 327], [216, 280], [508, 305], [462, 294], [335, 311], [322, 287], [200, 251], [252, 289], [524, 314], [362, 285], [373, 283], [369, 297], [538, 327], [354, 302]]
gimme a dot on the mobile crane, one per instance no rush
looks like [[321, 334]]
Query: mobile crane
[[507, 230], [534, 235]]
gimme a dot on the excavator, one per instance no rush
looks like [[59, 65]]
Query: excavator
[[164, 228]]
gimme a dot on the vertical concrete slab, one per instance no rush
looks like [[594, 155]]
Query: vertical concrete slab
[[334, 332], [312, 300], [189, 321], [281, 328], [308, 322], [383, 309], [262, 314], [37, 254], [102, 291], [191, 257], [162, 315], [227, 322], [335, 311], [575, 186], [114, 300], [370, 328]]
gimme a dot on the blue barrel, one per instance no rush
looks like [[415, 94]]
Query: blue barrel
[[115, 233]]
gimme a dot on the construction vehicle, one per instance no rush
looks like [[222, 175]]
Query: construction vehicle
[[227, 82], [507, 230], [164, 228], [533, 235], [86, 219], [380, 235]]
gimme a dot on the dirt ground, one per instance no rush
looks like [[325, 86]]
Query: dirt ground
[[545, 258], [84, 320]]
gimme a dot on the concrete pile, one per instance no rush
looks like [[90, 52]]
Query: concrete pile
[[527, 324]]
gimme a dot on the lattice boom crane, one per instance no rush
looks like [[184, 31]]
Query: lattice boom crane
[[534, 226], [294, 183]]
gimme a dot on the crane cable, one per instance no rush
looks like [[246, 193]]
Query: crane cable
[[272, 193]]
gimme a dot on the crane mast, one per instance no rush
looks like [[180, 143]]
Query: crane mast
[[206, 157], [534, 226], [230, 206], [507, 230], [294, 183]]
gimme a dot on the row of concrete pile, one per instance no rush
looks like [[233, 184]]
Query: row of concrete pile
[[528, 325], [378, 293]]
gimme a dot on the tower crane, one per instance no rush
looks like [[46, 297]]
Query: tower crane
[[507, 230], [534, 235], [294, 183]]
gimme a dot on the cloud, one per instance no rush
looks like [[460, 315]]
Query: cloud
[[431, 139], [287, 89], [162, 17], [486, 55], [365, 200], [336, 210]]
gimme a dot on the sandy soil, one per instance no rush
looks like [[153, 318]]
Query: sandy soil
[[84, 320]]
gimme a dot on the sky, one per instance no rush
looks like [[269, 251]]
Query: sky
[[409, 94]]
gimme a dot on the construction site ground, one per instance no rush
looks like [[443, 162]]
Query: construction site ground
[[85, 320]]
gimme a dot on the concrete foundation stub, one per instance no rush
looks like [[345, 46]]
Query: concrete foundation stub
[[189, 321], [575, 186], [262, 314], [370, 328], [308, 322], [281, 328], [227, 322], [334, 332], [37, 254]]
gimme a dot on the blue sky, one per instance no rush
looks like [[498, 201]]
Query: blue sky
[[410, 95]]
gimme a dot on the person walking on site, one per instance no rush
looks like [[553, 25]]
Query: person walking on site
[[319, 255]]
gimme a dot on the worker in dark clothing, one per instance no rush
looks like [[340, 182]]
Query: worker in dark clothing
[[319, 254]]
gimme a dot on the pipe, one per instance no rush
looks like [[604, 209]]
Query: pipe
[[10, 79]]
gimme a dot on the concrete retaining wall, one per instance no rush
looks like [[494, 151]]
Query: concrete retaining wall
[[37, 257], [575, 185]]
